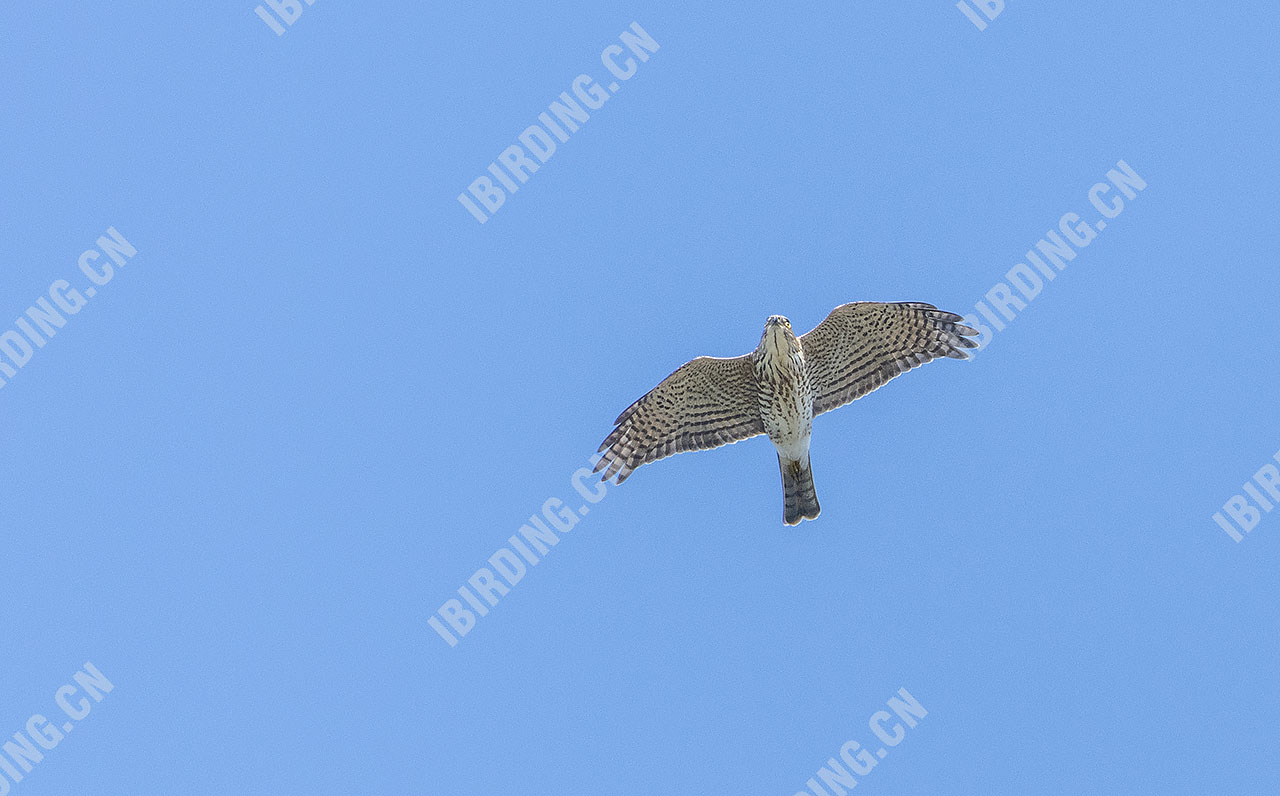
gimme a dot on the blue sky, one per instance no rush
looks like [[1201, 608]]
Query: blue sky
[[321, 395]]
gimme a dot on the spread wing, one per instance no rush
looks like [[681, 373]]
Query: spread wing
[[862, 345], [706, 403]]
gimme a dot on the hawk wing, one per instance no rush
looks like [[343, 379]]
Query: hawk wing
[[706, 403], [862, 345]]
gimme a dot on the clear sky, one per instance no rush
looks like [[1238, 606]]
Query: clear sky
[[321, 395]]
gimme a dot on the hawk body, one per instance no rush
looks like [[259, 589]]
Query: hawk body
[[784, 389], [786, 393], [780, 387]]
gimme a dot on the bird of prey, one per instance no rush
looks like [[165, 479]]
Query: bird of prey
[[780, 387]]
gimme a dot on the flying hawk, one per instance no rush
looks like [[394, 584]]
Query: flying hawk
[[779, 388]]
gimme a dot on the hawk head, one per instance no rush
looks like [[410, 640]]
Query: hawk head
[[778, 337]]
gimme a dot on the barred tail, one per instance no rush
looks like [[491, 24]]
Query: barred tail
[[799, 499]]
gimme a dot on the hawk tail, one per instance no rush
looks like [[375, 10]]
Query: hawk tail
[[799, 499]]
